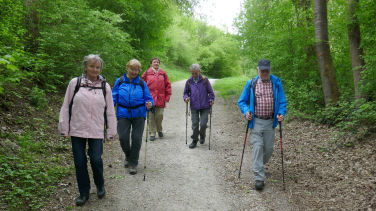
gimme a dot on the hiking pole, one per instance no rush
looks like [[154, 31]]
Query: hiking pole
[[186, 121], [283, 169], [146, 140], [210, 125], [245, 141]]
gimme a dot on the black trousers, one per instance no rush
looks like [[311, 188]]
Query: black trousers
[[80, 162], [124, 128]]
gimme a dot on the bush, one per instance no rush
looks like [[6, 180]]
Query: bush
[[38, 98]]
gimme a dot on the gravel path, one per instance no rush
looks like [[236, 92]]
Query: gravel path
[[179, 178]]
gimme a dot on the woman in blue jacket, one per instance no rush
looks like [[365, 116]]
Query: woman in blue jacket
[[132, 97]]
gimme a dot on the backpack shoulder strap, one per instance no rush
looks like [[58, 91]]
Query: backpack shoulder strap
[[253, 87], [76, 88], [205, 82], [105, 108], [142, 84], [189, 87], [121, 80]]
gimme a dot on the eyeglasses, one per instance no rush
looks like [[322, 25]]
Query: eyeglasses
[[133, 70]]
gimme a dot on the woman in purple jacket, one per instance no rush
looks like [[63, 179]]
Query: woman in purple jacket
[[200, 93]]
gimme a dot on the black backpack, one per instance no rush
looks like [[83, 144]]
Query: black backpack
[[78, 86]]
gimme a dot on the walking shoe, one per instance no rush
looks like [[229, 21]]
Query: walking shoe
[[126, 163], [202, 140], [133, 170], [81, 200], [101, 192], [193, 144], [152, 138], [160, 134], [259, 185]]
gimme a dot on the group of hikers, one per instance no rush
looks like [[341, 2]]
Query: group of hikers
[[88, 116]]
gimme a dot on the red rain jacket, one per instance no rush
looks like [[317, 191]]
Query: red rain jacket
[[159, 86]]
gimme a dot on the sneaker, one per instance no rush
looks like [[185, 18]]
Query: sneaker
[[133, 170], [152, 138], [259, 185], [202, 140], [81, 200], [101, 192], [126, 163], [193, 144], [160, 134]]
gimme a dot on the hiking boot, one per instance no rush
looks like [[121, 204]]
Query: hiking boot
[[152, 138], [193, 144], [126, 163], [202, 140], [81, 200], [133, 170], [160, 134], [259, 185], [101, 192]]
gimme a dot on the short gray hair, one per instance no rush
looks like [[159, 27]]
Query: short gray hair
[[195, 67], [91, 57]]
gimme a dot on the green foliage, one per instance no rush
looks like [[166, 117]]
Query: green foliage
[[145, 21], [366, 13], [231, 86], [70, 31], [220, 58], [175, 73], [14, 61], [38, 98], [191, 41], [25, 179], [357, 117]]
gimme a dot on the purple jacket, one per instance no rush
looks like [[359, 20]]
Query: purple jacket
[[200, 94]]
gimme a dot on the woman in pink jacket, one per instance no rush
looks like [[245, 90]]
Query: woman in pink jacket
[[88, 116], [160, 89]]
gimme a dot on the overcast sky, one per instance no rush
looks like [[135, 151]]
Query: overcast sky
[[219, 13]]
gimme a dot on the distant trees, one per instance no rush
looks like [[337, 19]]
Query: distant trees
[[45, 41]]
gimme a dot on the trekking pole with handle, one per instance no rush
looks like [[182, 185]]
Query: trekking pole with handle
[[146, 140], [283, 169], [245, 141], [210, 125], [186, 121]]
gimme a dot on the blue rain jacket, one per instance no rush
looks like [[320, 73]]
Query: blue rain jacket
[[130, 94], [246, 101]]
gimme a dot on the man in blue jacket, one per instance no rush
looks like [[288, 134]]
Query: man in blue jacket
[[263, 104], [200, 93]]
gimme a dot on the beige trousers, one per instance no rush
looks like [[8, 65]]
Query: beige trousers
[[156, 118]]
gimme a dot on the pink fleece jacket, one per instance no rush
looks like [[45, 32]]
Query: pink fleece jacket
[[87, 120]]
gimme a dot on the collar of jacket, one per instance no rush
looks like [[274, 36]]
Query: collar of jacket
[[134, 80], [199, 78], [274, 79], [84, 79], [151, 71]]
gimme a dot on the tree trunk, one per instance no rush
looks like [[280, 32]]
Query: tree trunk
[[32, 24], [328, 77], [356, 51]]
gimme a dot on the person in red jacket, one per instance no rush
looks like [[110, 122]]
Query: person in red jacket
[[160, 89]]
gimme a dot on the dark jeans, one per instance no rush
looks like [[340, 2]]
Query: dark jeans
[[124, 129], [80, 162], [199, 117]]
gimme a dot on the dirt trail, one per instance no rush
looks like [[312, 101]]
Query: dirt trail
[[179, 178]]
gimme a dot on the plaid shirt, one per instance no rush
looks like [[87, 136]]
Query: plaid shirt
[[264, 98]]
